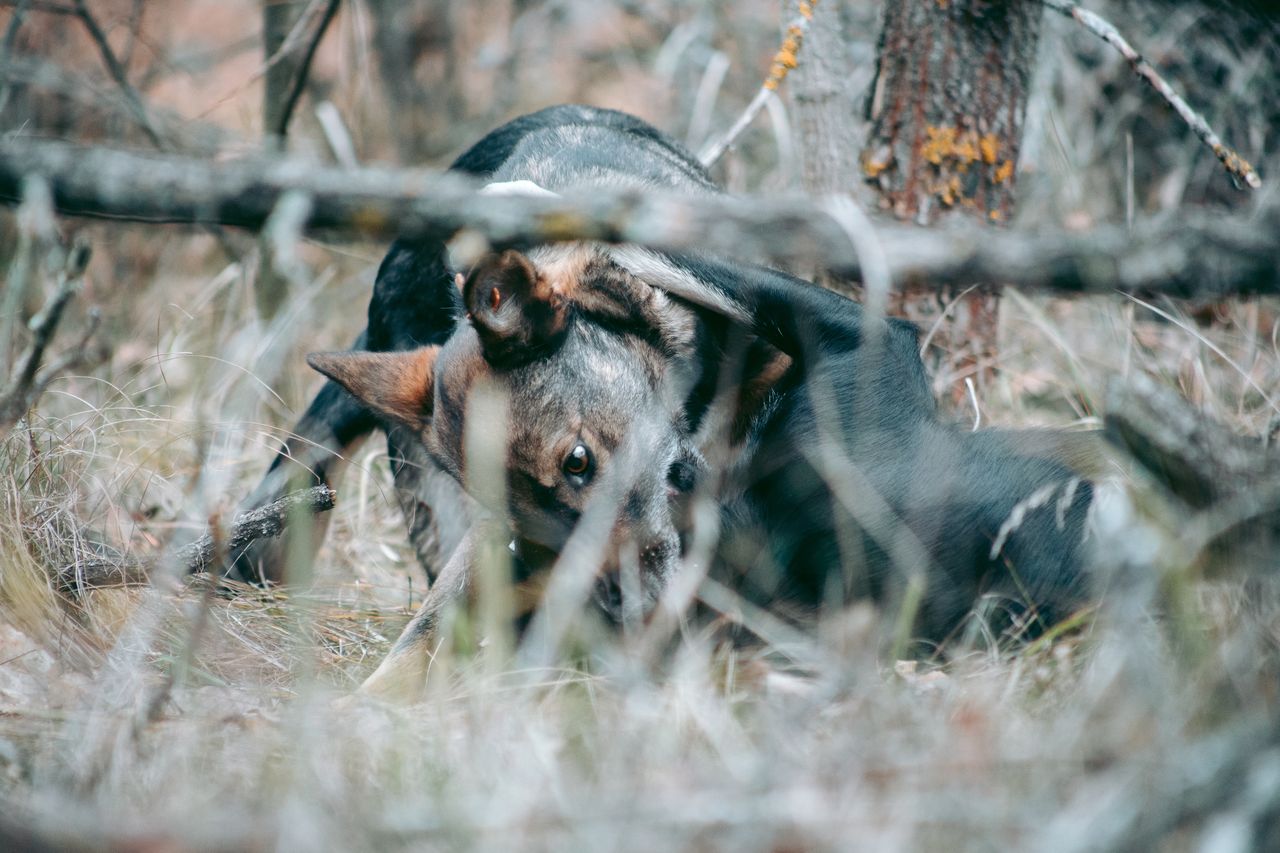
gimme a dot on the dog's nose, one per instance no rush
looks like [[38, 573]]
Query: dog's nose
[[681, 478]]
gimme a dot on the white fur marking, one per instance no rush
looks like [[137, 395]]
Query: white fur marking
[[1065, 501], [526, 188], [1037, 499]]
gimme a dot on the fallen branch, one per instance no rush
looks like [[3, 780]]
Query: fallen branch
[[1199, 460], [1103, 29], [1206, 256], [1227, 486], [207, 552]]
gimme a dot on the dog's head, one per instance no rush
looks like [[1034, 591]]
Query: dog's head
[[595, 367]]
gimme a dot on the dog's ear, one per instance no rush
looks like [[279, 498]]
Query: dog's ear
[[517, 313], [399, 386]]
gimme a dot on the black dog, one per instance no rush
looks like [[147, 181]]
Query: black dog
[[642, 380]]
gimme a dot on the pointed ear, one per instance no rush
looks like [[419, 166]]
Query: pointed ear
[[516, 312], [399, 386]]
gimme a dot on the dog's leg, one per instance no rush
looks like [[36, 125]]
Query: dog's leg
[[402, 675]]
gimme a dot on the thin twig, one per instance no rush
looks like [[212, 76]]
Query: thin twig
[[304, 69], [29, 381], [1233, 162], [6, 52], [783, 61], [286, 49], [205, 553], [119, 74]]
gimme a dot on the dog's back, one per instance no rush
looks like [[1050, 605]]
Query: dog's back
[[573, 148]]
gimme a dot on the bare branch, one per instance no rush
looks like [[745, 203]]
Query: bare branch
[[29, 381], [6, 50], [45, 6], [119, 74], [1103, 29], [279, 55], [205, 553], [783, 61], [1205, 256], [303, 68], [1200, 461]]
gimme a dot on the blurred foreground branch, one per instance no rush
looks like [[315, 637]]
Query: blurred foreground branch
[[204, 553], [1204, 257], [1227, 485]]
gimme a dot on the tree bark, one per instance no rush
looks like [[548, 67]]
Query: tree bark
[[947, 106], [823, 104], [947, 109]]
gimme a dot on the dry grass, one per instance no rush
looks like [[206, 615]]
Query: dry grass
[[112, 726]]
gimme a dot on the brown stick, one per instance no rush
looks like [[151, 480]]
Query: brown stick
[[1201, 256], [203, 554]]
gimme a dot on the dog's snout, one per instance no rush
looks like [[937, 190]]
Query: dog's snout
[[656, 555]]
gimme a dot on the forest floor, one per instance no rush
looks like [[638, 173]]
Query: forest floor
[[115, 724], [165, 718]]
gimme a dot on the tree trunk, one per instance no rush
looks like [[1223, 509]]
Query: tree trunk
[[947, 106], [823, 103], [946, 112]]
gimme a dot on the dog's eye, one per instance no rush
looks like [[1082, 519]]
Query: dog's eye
[[578, 463]]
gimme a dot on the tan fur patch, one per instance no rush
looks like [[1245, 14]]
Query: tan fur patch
[[755, 389], [398, 385], [562, 268]]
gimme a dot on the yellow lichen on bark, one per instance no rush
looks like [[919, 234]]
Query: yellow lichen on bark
[[990, 145], [874, 167], [939, 144]]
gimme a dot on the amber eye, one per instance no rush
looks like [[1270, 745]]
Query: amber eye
[[578, 462]]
